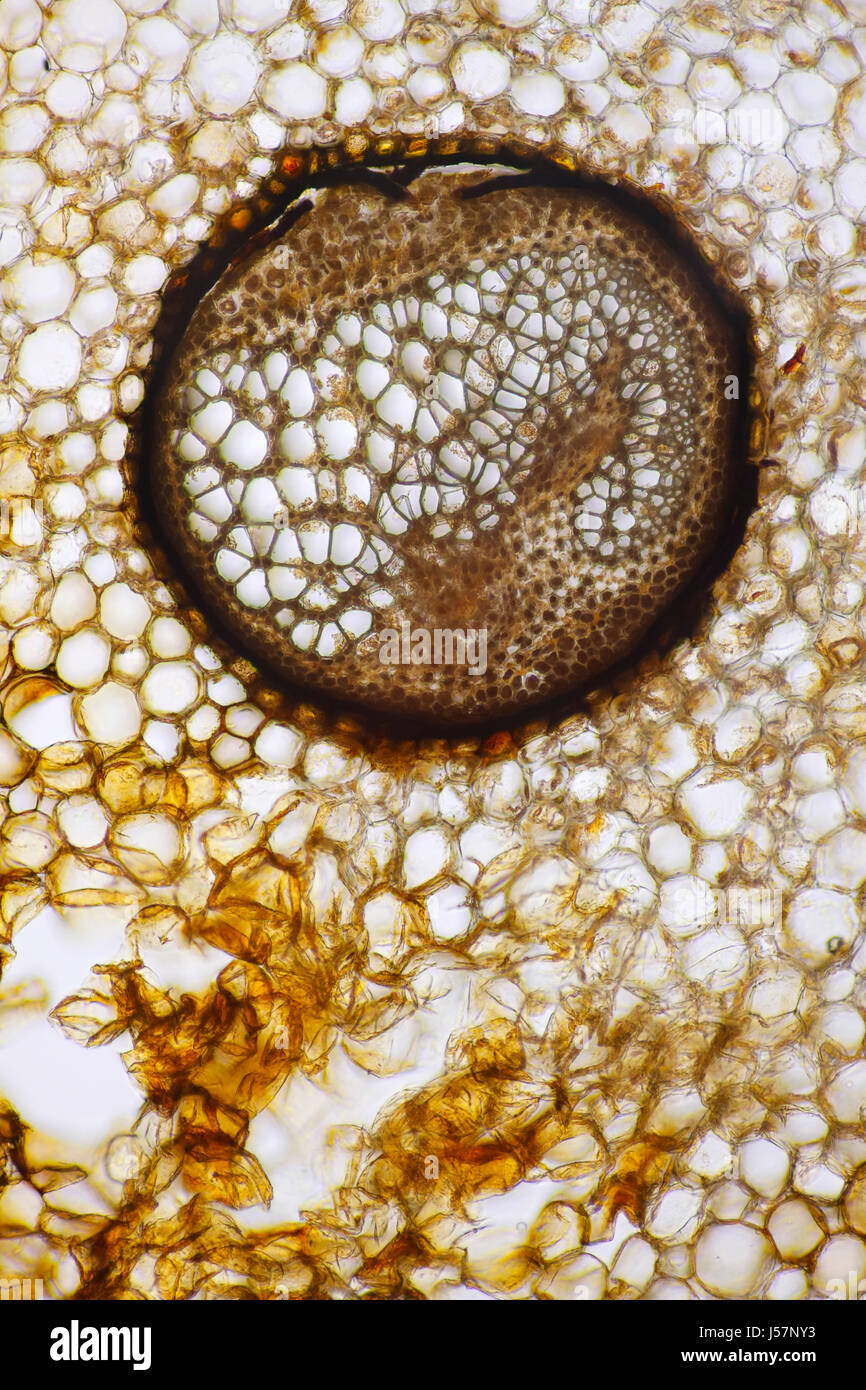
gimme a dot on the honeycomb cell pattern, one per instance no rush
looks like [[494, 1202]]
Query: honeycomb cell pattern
[[513, 412], [289, 1009]]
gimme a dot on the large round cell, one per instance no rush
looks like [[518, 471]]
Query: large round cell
[[451, 454]]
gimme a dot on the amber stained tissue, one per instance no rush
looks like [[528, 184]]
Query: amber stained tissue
[[452, 404], [289, 1009]]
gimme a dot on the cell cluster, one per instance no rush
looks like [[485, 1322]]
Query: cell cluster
[[513, 412]]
